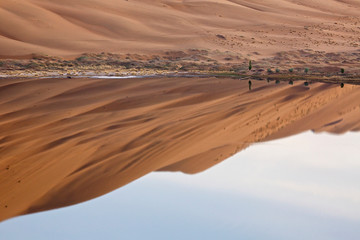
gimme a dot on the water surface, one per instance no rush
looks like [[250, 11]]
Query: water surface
[[302, 187]]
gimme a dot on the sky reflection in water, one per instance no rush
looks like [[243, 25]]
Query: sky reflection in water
[[303, 187]]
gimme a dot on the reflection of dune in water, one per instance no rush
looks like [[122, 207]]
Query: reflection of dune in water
[[64, 141]]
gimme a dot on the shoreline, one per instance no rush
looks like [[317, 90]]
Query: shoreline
[[307, 65], [333, 79]]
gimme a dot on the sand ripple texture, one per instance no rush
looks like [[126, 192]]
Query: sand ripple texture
[[257, 27]]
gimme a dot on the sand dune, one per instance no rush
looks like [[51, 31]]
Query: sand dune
[[68, 28], [64, 141]]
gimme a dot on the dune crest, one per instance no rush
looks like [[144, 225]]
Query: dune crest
[[67, 28], [64, 141]]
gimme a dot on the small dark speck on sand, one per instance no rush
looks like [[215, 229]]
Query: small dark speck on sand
[[221, 36]]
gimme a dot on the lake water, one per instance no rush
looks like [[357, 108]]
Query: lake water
[[302, 187]]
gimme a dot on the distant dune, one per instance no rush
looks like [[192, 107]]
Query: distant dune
[[255, 27], [64, 141]]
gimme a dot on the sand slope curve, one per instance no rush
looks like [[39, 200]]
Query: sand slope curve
[[69, 28]]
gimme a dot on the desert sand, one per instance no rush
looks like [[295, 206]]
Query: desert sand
[[64, 141], [244, 27]]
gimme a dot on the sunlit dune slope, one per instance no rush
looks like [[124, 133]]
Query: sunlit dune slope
[[64, 141], [71, 27]]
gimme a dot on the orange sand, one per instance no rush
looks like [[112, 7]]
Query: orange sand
[[64, 141], [255, 27]]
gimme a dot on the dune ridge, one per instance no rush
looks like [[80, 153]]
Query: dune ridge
[[68, 28], [64, 141]]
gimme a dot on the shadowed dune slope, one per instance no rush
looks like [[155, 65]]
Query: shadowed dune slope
[[64, 141], [71, 27]]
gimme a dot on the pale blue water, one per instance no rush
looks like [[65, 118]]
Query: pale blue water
[[302, 187]]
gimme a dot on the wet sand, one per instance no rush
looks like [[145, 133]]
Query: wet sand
[[65, 141]]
